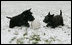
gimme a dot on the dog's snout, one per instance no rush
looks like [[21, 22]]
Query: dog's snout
[[34, 18], [43, 20]]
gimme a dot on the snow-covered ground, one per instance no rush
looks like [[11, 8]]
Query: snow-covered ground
[[37, 33]]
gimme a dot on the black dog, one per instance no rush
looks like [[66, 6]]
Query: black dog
[[22, 19], [54, 21]]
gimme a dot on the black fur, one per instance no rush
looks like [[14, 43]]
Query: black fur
[[22, 19], [54, 21]]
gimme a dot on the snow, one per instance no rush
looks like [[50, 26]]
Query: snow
[[37, 33]]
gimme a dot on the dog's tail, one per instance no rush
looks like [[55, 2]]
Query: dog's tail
[[9, 17], [61, 12]]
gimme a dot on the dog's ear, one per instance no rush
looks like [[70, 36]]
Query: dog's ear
[[49, 13], [52, 15], [30, 9], [61, 12]]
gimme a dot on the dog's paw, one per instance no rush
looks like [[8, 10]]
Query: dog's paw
[[53, 27], [62, 24], [28, 25], [35, 24]]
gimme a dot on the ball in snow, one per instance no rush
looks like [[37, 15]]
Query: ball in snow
[[35, 24]]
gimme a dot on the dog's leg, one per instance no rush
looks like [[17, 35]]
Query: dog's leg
[[27, 25], [11, 26], [53, 26], [62, 22], [48, 24]]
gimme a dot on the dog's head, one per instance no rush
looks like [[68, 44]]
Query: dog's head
[[48, 18], [28, 15]]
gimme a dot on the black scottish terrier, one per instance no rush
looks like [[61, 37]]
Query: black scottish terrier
[[22, 19], [54, 21]]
